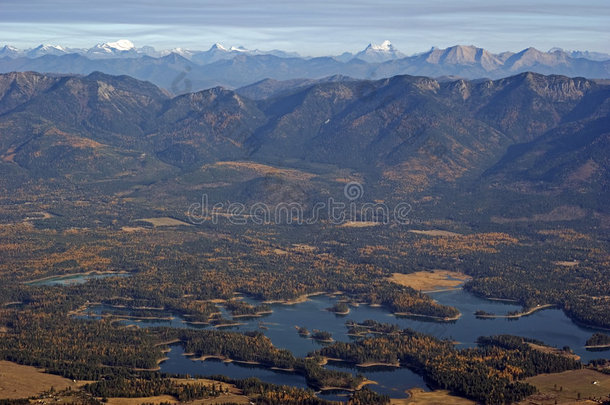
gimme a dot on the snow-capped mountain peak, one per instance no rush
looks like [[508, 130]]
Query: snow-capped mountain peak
[[120, 45], [9, 51], [218, 47], [238, 49], [46, 49], [219, 52], [385, 46], [379, 52], [185, 53]]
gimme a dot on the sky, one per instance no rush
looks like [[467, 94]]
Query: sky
[[310, 27]]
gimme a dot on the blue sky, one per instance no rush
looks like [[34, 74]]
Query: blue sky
[[310, 27]]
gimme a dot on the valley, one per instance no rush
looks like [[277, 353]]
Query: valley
[[129, 219]]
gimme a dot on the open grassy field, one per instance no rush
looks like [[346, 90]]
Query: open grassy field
[[359, 224], [223, 399], [553, 350], [435, 232], [149, 400], [421, 397], [430, 280], [565, 387], [164, 221], [263, 170], [17, 381]]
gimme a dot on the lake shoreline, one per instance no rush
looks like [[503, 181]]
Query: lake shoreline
[[516, 316], [598, 347], [298, 300], [431, 317]]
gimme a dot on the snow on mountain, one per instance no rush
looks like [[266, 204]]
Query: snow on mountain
[[122, 47], [45, 49], [219, 52], [384, 59], [185, 53], [9, 51], [215, 53], [126, 48], [218, 47], [377, 53], [238, 49], [386, 46]]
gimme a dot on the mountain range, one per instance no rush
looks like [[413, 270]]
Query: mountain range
[[520, 139], [182, 71]]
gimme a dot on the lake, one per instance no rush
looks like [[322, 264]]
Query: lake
[[551, 326]]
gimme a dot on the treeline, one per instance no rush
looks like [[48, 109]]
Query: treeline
[[97, 350], [365, 397], [527, 359], [370, 326], [175, 271], [537, 273], [249, 346], [339, 307], [321, 335], [598, 339], [262, 393], [241, 308], [488, 373], [74, 348], [589, 311], [155, 386]]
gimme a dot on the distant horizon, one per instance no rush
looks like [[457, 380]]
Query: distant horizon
[[228, 46], [314, 28]]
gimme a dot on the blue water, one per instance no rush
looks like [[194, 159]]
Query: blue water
[[390, 381], [180, 364], [551, 326]]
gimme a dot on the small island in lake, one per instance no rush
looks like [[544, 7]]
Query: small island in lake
[[301, 330], [340, 308], [598, 341], [322, 336], [483, 314]]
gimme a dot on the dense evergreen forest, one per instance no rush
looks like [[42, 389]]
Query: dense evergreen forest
[[489, 373], [599, 339], [192, 270], [123, 360], [155, 386]]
